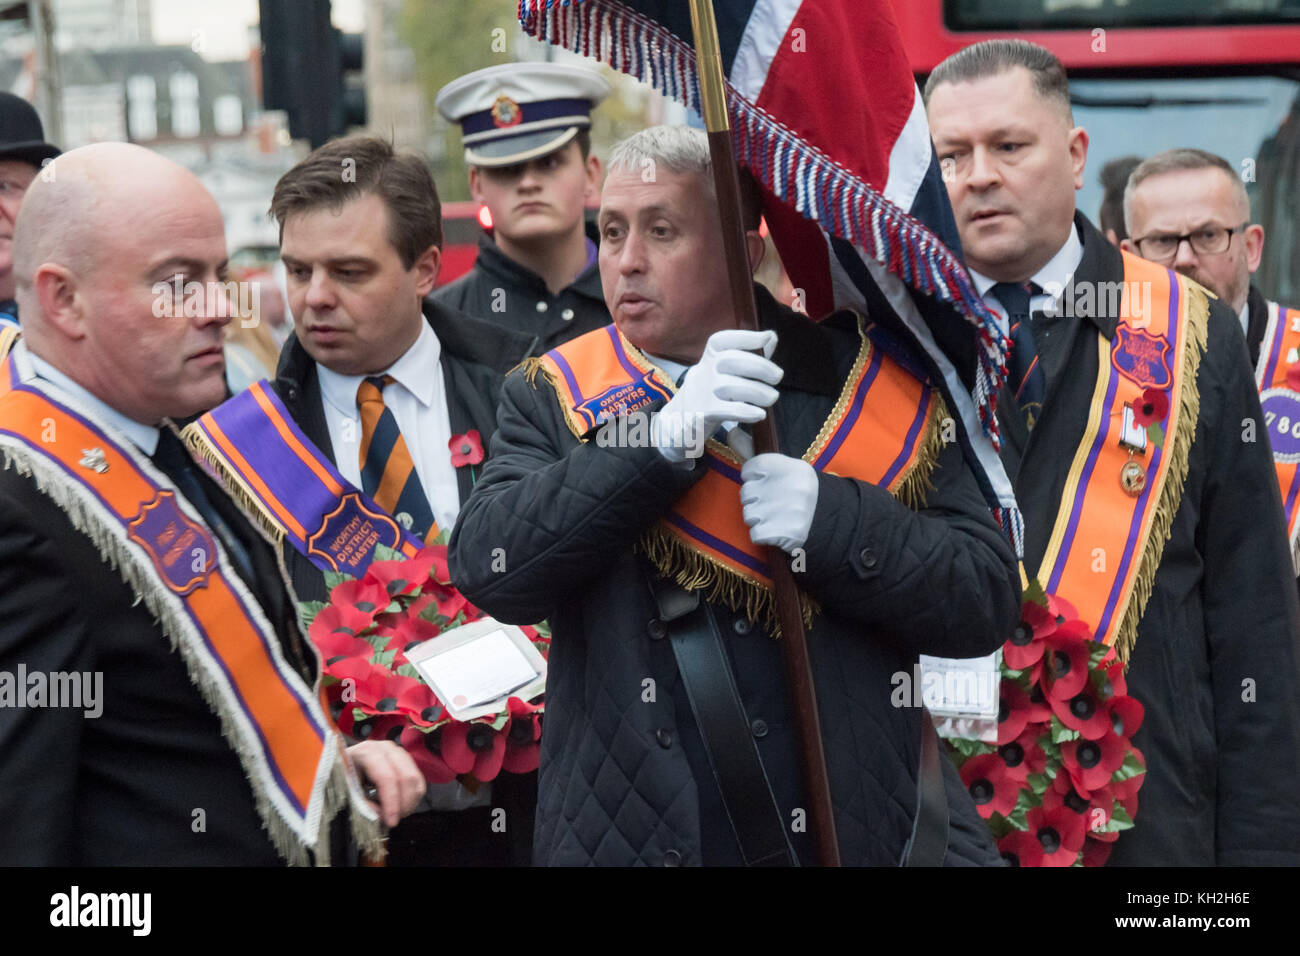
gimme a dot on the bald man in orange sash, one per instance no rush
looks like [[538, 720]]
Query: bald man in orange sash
[[158, 702]]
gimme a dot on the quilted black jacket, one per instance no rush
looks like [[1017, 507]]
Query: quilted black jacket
[[625, 780]]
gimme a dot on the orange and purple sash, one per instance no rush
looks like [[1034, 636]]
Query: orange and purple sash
[[284, 481], [882, 430], [275, 721], [1278, 354], [1114, 518]]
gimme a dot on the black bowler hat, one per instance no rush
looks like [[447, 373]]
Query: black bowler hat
[[21, 134]]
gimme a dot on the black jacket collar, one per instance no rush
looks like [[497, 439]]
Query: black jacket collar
[[804, 349], [496, 263], [1100, 259], [459, 335], [1256, 323]]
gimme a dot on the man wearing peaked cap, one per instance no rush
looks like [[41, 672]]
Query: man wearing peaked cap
[[525, 127], [22, 150]]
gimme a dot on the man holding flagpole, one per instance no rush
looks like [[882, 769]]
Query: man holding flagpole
[[621, 504]]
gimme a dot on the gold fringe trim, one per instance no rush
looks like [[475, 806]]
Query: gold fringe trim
[[85, 515], [1189, 409], [841, 405], [201, 448], [531, 367], [916, 483], [692, 570]]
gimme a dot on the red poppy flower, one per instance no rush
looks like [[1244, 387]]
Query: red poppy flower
[[365, 594], [423, 749], [1084, 712], [522, 734], [1126, 715], [1023, 649], [1151, 408], [991, 787], [1023, 755], [408, 633], [363, 726], [1095, 808], [338, 619], [366, 678], [404, 576], [1091, 763], [473, 748], [1020, 848], [1060, 832], [1096, 852], [1066, 655], [439, 573], [466, 449], [421, 706], [336, 645], [1016, 711], [448, 600]]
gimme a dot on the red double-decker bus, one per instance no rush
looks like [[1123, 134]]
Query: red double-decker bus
[[1149, 75]]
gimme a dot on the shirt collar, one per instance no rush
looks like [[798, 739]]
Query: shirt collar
[[144, 437], [672, 369], [1055, 273], [1244, 316], [411, 371]]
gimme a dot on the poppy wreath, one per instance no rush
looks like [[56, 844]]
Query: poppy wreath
[[1061, 783], [375, 693]]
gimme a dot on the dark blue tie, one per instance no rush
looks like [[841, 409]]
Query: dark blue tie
[[388, 473], [1024, 372]]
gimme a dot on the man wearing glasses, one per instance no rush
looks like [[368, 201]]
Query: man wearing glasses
[[1187, 209]]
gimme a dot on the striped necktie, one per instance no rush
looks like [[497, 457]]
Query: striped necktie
[[387, 472], [1024, 372]]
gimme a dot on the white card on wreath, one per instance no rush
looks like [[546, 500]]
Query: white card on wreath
[[962, 694], [476, 668]]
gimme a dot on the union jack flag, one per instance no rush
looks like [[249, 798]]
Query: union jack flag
[[827, 117]]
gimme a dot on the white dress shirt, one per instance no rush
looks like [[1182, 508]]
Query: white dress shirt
[[418, 400], [1244, 318], [1055, 276]]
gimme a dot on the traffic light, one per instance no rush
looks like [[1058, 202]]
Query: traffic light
[[308, 69]]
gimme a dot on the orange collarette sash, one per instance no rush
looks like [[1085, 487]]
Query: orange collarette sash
[[1278, 353], [883, 429], [275, 721], [1115, 517]]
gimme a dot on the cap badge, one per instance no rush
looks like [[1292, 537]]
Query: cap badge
[[506, 112]]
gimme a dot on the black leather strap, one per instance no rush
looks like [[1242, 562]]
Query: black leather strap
[[746, 794], [928, 844]]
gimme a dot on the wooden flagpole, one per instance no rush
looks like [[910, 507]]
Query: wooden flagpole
[[708, 57]]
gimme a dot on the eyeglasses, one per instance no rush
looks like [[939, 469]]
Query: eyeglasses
[[1205, 242]]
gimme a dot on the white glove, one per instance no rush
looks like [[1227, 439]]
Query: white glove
[[729, 384], [779, 496]]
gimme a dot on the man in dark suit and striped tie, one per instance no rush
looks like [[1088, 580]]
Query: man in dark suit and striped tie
[[401, 397]]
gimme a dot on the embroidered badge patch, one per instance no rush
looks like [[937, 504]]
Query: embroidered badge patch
[[350, 532], [1141, 357], [181, 549], [619, 400], [1282, 420], [506, 112]]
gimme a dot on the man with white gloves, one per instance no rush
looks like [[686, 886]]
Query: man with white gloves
[[618, 503]]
